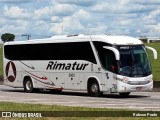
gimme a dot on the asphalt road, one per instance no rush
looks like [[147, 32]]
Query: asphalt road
[[136, 101]]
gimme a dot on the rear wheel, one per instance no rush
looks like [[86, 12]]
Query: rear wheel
[[126, 94], [93, 89], [28, 85]]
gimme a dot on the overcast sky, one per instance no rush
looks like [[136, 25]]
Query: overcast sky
[[43, 18]]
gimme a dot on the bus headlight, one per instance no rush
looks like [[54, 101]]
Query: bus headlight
[[124, 79], [148, 80]]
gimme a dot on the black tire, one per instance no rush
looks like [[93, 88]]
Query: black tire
[[28, 86], [126, 94], [93, 90]]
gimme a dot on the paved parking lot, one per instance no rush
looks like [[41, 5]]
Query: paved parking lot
[[138, 100]]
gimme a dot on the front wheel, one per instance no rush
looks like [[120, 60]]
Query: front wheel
[[28, 86], [93, 90]]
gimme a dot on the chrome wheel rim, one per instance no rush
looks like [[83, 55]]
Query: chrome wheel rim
[[28, 85], [94, 88]]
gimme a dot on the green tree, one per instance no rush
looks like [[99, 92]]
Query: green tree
[[7, 37]]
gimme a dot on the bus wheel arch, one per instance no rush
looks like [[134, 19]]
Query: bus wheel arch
[[93, 87], [28, 84]]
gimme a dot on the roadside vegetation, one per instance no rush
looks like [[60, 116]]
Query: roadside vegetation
[[155, 63], [23, 108]]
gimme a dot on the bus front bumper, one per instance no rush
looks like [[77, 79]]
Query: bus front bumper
[[124, 87]]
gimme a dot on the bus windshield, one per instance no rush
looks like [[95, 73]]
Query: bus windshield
[[134, 61]]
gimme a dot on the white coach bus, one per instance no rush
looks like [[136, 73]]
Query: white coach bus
[[93, 63]]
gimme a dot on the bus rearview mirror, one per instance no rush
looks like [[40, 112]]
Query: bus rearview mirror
[[153, 50], [116, 52]]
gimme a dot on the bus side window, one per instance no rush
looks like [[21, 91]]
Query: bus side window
[[109, 61]]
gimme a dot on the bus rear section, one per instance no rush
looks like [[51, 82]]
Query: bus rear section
[[50, 65]]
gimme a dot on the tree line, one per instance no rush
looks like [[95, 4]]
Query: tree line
[[6, 37]]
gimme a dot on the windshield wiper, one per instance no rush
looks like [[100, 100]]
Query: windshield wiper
[[142, 68]]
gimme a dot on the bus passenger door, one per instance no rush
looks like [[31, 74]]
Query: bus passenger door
[[109, 62], [110, 82]]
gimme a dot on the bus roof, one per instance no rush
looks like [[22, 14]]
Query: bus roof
[[117, 40]]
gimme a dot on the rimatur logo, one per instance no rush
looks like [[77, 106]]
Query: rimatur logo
[[10, 71]]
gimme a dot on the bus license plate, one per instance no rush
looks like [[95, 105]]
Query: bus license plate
[[139, 88]]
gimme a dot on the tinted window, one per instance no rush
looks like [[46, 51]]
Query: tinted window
[[106, 56], [134, 61], [52, 51]]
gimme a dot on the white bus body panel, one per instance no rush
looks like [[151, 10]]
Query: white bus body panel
[[53, 79], [45, 76]]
